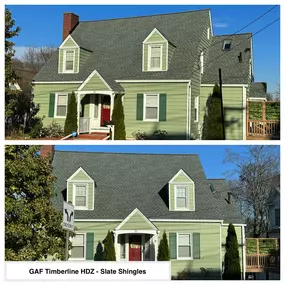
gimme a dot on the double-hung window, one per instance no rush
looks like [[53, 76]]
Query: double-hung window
[[155, 57], [61, 105], [151, 107], [69, 60], [184, 246], [80, 199], [78, 247], [182, 196]]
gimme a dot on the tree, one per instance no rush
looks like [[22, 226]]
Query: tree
[[118, 119], [232, 270], [32, 225], [163, 249], [99, 254], [213, 123], [11, 96], [258, 171], [71, 117], [109, 253]]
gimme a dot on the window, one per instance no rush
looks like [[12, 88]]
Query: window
[[80, 199], [227, 44], [61, 105], [122, 242], [151, 107], [181, 194], [78, 247], [277, 217], [196, 109], [184, 245], [69, 60], [155, 61]]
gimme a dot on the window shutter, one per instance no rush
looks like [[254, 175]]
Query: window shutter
[[51, 105], [162, 107], [196, 245], [90, 246], [173, 245], [139, 107]]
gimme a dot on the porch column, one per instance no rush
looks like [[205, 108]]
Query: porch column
[[155, 246], [78, 111], [112, 95], [117, 251]]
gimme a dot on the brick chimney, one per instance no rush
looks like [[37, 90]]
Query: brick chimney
[[47, 150], [70, 20]]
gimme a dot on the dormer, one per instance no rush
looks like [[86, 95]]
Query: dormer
[[181, 192], [68, 59], [157, 52], [80, 190]]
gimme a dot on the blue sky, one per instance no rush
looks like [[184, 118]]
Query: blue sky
[[211, 157], [227, 19]]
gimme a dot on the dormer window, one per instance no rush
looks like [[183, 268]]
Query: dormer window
[[80, 196], [227, 44], [182, 197], [155, 57], [68, 60]]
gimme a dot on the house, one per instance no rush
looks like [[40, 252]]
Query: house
[[165, 66], [138, 197]]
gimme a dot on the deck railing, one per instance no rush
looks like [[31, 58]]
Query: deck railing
[[84, 125]]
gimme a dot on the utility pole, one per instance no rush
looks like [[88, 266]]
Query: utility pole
[[222, 105]]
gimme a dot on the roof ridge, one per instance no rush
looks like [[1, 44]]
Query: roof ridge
[[144, 16], [230, 35]]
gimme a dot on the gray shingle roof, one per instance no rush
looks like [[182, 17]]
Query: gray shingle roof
[[233, 71], [257, 90], [117, 47], [128, 181]]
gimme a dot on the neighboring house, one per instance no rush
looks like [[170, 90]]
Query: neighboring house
[[138, 197], [164, 65]]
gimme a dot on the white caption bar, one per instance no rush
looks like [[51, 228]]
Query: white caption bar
[[82, 270]]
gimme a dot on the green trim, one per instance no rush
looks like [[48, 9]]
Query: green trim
[[140, 107], [51, 105], [90, 246], [173, 245], [162, 107], [196, 245]]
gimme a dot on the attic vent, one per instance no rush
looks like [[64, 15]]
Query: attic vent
[[227, 44], [240, 57]]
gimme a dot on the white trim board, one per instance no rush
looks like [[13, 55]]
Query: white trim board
[[67, 38], [155, 30], [154, 81], [225, 85], [181, 171], [57, 82]]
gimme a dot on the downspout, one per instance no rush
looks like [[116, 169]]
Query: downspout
[[244, 113], [188, 123], [243, 252], [78, 112]]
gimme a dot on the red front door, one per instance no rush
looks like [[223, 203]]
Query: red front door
[[105, 110], [134, 248]]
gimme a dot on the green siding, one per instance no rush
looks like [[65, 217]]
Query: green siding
[[95, 84], [182, 178], [42, 97], [176, 108], [136, 222], [233, 110], [84, 55], [209, 246], [155, 37], [191, 197], [60, 62], [69, 43], [80, 176]]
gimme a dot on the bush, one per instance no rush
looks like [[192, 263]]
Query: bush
[[109, 253], [138, 135], [99, 254], [163, 249], [182, 275], [118, 118], [53, 130], [232, 269], [159, 134], [71, 117], [37, 128]]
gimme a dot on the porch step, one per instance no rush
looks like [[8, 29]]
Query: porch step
[[100, 130]]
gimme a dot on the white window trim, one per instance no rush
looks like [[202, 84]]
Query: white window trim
[[64, 60], [74, 194], [196, 106], [149, 57], [144, 107], [202, 62], [187, 197], [208, 33], [177, 246], [55, 104], [84, 251]]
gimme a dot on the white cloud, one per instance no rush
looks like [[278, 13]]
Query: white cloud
[[220, 25]]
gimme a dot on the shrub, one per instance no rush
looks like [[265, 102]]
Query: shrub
[[118, 118], [53, 130], [109, 253], [163, 249], [71, 117], [232, 269], [37, 128], [159, 134], [138, 135], [182, 275], [99, 254]]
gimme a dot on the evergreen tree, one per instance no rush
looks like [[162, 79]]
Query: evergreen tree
[[71, 117], [99, 254], [232, 269], [163, 249], [11, 96], [118, 119], [109, 253], [32, 225], [213, 123]]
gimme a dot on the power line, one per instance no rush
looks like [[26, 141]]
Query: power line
[[255, 20]]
